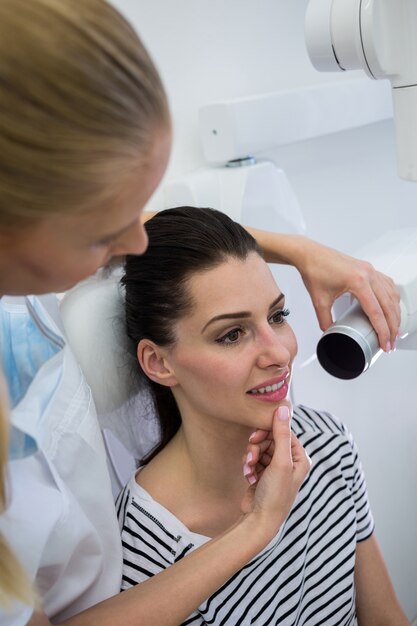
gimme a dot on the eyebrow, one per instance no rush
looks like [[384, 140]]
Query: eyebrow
[[240, 314]]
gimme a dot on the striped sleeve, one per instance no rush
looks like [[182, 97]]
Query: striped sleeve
[[354, 475]]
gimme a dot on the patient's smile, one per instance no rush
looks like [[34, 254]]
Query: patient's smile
[[273, 392]]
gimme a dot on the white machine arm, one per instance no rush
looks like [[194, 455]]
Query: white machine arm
[[378, 36]]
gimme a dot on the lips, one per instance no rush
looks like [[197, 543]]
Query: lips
[[270, 386], [274, 390]]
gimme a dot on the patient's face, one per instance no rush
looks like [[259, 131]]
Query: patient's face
[[234, 352]]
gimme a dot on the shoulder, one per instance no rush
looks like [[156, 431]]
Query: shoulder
[[143, 519], [307, 420], [330, 445], [323, 435], [152, 538]]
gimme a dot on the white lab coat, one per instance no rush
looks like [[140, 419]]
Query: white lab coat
[[61, 518]]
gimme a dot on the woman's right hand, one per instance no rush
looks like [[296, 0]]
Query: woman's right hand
[[278, 465]]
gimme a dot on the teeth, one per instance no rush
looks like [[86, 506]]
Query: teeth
[[268, 388]]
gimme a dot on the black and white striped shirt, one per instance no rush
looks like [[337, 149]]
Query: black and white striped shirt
[[305, 576]]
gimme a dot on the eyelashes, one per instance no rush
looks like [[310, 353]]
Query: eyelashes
[[233, 336], [280, 315]]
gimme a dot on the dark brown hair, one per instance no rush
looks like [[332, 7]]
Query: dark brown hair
[[182, 242]]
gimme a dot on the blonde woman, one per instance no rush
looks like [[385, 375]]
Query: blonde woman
[[85, 136], [14, 584]]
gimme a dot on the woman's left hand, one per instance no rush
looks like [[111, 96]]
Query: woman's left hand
[[276, 473], [259, 452], [329, 274]]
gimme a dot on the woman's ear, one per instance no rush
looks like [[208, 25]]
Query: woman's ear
[[155, 364]]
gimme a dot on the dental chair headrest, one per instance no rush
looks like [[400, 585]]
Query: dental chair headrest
[[93, 318]]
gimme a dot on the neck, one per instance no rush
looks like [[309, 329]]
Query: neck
[[212, 457], [198, 476]]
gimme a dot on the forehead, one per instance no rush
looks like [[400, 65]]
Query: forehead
[[234, 285]]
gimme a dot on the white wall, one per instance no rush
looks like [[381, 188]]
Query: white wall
[[349, 192], [216, 49]]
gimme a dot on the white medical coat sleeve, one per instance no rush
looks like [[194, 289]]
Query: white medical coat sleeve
[[61, 519]]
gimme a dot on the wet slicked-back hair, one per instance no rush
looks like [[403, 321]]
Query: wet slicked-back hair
[[182, 242]]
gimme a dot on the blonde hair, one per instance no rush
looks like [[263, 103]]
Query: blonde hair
[[14, 584], [81, 103]]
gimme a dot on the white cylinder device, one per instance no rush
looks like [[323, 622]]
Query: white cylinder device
[[379, 37], [350, 346]]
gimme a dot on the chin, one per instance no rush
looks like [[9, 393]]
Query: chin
[[265, 422]]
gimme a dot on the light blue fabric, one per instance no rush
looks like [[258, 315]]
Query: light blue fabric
[[24, 347], [21, 444]]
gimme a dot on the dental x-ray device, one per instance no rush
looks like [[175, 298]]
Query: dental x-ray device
[[350, 346], [380, 37]]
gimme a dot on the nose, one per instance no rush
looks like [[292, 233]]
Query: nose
[[134, 241], [273, 349]]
